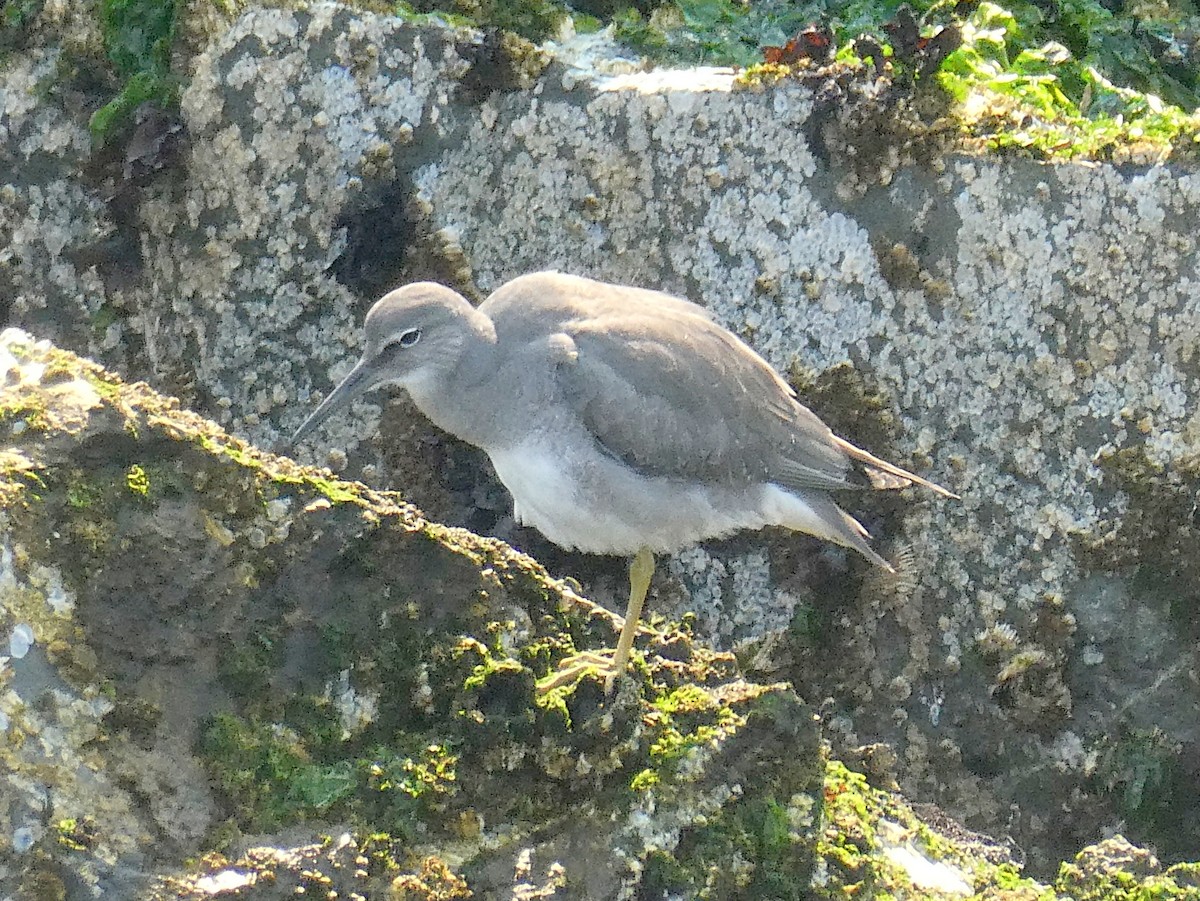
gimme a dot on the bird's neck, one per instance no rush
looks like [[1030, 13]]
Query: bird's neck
[[444, 395]]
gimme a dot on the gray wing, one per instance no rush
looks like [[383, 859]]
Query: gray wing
[[672, 394], [663, 388]]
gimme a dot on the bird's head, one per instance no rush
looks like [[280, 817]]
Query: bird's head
[[412, 337]]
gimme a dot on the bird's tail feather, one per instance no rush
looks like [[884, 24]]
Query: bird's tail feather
[[888, 475], [834, 524]]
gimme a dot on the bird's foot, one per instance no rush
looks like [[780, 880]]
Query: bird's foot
[[575, 667], [610, 664]]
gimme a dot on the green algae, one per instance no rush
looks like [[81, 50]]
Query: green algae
[[810, 626], [395, 772], [276, 770], [76, 833], [757, 835], [1057, 81], [1091, 90], [19, 479], [859, 822], [337, 646], [409, 13], [756, 845], [138, 39], [1114, 870], [17, 18], [24, 413], [137, 481], [711, 32], [247, 663], [850, 812], [684, 721], [272, 775], [1142, 58], [267, 776], [16, 15], [84, 495], [404, 789], [534, 20], [1146, 774]]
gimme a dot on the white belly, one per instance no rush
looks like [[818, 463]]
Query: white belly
[[599, 506]]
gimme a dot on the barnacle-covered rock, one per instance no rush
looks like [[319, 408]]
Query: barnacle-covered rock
[[1024, 333]]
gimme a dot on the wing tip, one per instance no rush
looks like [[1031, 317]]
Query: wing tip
[[887, 476]]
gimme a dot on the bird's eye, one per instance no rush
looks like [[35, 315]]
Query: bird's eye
[[405, 339]]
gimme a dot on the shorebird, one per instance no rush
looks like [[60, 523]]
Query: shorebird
[[622, 420]]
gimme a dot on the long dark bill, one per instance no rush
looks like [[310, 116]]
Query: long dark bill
[[358, 382]]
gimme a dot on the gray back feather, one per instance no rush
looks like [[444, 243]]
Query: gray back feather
[[667, 391]]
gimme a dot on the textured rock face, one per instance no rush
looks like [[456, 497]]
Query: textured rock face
[[206, 641], [211, 647], [1027, 335]]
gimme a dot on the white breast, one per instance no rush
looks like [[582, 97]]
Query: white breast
[[593, 503], [547, 495]]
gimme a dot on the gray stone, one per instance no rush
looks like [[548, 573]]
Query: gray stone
[[1033, 328]]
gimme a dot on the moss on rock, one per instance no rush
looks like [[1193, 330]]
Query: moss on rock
[[359, 684], [332, 657]]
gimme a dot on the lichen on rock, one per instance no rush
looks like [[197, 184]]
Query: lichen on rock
[[225, 643], [1023, 332]]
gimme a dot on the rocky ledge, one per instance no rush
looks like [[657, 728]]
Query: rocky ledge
[[228, 675]]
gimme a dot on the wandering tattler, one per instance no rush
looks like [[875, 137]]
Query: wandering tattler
[[623, 421]]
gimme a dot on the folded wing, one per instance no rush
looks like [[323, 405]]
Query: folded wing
[[672, 394]]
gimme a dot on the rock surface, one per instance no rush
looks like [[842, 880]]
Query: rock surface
[[215, 642], [1025, 333], [211, 646]]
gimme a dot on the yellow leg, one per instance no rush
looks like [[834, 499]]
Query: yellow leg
[[641, 569]]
